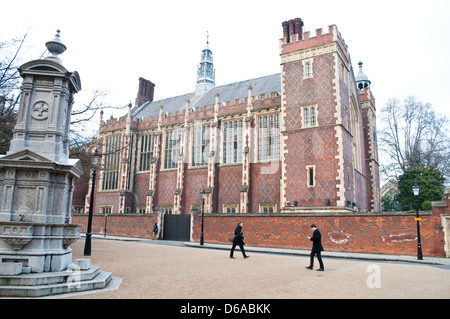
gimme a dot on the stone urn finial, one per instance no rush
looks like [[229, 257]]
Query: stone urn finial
[[56, 47]]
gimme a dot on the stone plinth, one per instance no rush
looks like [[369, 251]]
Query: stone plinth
[[39, 247], [35, 219], [74, 279]]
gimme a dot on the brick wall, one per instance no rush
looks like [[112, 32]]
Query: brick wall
[[382, 233], [136, 226], [228, 187], [375, 233], [265, 185], [311, 147]]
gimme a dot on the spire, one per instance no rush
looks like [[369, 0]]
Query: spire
[[205, 72]]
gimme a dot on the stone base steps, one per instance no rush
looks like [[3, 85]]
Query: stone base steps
[[53, 283]]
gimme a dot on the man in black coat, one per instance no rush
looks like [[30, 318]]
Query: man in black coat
[[238, 240], [316, 248]]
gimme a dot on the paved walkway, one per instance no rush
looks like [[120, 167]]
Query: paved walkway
[[325, 254], [297, 252], [173, 270]]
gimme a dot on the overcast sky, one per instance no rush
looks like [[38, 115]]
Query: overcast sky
[[404, 45]]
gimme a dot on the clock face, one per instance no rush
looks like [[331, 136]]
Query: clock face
[[40, 110]]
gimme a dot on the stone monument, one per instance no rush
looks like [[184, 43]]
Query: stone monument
[[37, 177]]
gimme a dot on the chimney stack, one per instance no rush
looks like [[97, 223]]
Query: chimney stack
[[291, 27], [145, 92]]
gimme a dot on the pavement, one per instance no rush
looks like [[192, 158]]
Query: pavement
[[294, 252], [325, 254], [157, 269]]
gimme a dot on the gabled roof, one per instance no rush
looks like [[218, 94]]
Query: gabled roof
[[228, 92]]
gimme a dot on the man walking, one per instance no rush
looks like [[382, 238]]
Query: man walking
[[238, 241], [316, 248]]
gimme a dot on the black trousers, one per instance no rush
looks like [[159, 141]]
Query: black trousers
[[319, 258], [241, 246]]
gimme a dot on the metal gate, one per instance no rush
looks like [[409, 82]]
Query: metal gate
[[177, 227]]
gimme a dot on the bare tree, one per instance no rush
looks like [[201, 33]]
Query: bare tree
[[413, 134], [10, 81], [84, 112]]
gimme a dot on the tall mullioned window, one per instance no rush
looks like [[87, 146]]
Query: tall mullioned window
[[111, 162], [268, 137], [146, 151], [200, 145], [171, 148], [232, 142]]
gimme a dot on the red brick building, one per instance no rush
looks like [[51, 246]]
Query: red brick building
[[299, 142]]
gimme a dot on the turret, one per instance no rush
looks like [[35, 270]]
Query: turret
[[362, 81]]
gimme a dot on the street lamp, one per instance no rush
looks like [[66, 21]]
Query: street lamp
[[416, 190], [203, 215], [95, 159]]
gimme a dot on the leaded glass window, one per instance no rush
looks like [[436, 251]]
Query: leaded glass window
[[171, 148], [111, 162], [268, 137], [232, 142], [200, 145], [146, 151]]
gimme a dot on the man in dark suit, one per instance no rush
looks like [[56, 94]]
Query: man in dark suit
[[238, 240], [316, 248]]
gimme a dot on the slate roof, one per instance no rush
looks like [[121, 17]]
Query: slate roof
[[228, 92]]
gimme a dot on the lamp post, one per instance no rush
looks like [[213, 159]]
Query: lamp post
[[416, 190], [203, 215], [95, 158]]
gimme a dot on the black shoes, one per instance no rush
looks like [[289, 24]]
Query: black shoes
[[310, 268]]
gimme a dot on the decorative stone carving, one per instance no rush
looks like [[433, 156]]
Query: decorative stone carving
[[16, 235], [71, 234], [40, 110]]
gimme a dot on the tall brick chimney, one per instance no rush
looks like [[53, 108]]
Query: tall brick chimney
[[145, 92], [291, 27]]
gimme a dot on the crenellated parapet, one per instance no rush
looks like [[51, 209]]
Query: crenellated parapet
[[235, 107], [294, 47]]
